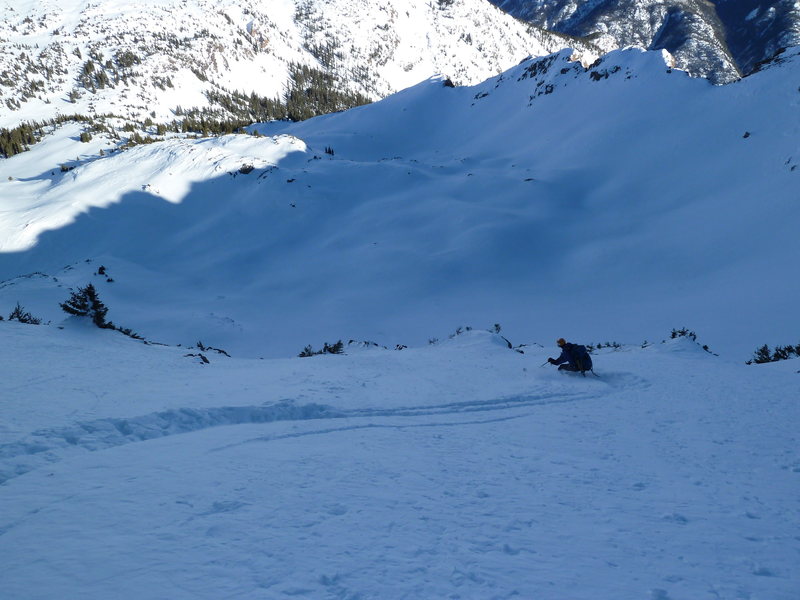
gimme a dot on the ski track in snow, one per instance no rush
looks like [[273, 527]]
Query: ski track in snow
[[655, 480], [52, 444]]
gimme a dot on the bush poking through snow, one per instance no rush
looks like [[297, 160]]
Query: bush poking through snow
[[21, 315], [103, 272], [337, 348], [86, 303], [459, 331], [592, 347], [203, 359], [683, 332], [127, 331], [763, 354], [205, 348]]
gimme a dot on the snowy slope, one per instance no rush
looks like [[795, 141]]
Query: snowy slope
[[611, 204], [143, 60], [455, 470], [605, 204]]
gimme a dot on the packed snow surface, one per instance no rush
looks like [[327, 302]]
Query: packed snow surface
[[458, 470]]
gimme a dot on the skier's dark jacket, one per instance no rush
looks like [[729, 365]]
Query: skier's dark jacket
[[576, 356]]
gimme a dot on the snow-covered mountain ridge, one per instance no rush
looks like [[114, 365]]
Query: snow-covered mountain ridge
[[721, 40], [143, 60], [612, 203]]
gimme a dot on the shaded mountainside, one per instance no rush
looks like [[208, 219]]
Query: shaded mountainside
[[720, 40], [756, 29], [608, 203]]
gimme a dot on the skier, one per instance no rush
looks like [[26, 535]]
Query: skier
[[574, 358]]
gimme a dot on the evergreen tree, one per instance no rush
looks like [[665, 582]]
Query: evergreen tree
[[762, 355], [86, 303], [337, 348], [21, 315]]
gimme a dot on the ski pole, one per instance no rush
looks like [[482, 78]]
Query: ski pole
[[543, 364]]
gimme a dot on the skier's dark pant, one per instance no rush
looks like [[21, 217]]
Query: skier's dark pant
[[568, 367]]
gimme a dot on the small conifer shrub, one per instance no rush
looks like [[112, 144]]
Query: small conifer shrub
[[764, 355], [337, 348], [23, 316], [205, 348], [86, 303], [683, 332]]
